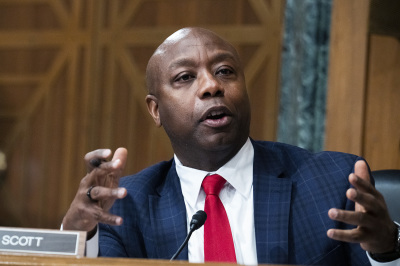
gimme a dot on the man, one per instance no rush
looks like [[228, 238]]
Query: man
[[284, 204]]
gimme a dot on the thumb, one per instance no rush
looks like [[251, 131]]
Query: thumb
[[121, 154]]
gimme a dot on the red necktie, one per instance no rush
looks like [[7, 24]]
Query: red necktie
[[218, 242]]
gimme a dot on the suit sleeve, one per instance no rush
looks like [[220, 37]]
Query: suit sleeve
[[110, 244]]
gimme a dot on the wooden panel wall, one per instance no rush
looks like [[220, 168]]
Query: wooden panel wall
[[72, 80], [347, 76], [382, 114], [363, 114]]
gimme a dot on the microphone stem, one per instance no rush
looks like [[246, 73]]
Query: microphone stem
[[183, 245]]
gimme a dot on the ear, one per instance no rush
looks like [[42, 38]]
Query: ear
[[152, 107]]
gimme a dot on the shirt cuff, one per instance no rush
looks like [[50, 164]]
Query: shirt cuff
[[92, 245], [390, 263]]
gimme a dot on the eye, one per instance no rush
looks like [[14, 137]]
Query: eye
[[225, 71], [184, 77]]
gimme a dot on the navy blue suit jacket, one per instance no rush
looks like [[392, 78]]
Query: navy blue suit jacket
[[293, 191]]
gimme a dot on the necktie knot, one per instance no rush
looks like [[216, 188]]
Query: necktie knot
[[213, 184]]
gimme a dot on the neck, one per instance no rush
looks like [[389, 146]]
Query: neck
[[208, 160]]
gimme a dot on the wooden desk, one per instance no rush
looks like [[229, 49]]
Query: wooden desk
[[10, 259]]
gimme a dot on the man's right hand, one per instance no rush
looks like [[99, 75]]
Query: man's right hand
[[84, 213]]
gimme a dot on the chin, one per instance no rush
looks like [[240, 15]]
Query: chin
[[222, 142]]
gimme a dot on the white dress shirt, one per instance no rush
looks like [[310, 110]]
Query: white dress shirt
[[237, 198]]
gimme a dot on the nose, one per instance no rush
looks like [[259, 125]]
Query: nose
[[210, 86]]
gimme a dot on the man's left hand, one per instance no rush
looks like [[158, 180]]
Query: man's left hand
[[375, 229]]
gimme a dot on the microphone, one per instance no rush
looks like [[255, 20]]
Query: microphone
[[198, 219]]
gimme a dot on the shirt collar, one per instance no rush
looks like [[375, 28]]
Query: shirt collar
[[238, 172]]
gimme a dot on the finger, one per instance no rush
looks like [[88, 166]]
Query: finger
[[109, 166], [361, 184], [107, 218], [365, 202], [108, 173], [351, 194], [351, 217], [97, 162], [94, 158], [122, 155], [361, 170], [102, 216], [355, 235], [105, 175], [98, 193], [116, 165]]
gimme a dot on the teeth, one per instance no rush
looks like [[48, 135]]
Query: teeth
[[214, 113]]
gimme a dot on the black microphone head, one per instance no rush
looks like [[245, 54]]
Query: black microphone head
[[198, 219]]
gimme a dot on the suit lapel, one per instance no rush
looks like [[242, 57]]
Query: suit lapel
[[272, 195], [168, 217]]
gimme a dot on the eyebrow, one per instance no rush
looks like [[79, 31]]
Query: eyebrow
[[220, 56], [224, 56], [182, 62]]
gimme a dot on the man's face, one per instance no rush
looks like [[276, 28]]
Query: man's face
[[200, 97]]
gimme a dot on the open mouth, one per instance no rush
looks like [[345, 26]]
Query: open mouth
[[218, 116], [214, 115]]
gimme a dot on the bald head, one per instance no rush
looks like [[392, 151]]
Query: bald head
[[172, 45]]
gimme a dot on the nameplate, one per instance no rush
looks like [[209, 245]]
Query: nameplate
[[42, 241]]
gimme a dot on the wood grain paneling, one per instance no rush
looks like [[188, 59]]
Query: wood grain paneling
[[363, 115], [72, 80], [382, 123], [347, 76]]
